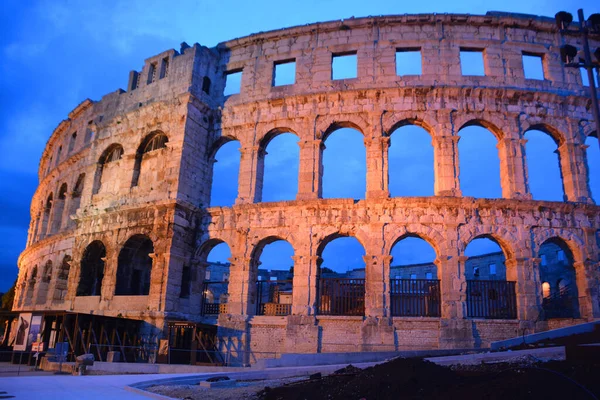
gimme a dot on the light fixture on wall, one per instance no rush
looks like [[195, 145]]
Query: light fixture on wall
[[569, 53]]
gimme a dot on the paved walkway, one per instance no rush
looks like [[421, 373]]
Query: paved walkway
[[68, 387]]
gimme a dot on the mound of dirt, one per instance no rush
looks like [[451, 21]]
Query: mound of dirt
[[418, 379]]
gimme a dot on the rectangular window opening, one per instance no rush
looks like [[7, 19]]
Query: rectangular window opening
[[492, 269], [408, 61], [584, 77], [164, 67], [533, 66], [471, 62], [284, 73], [429, 275], [344, 66], [72, 141], [152, 73], [233, 82], [413, 276], [543, 257]]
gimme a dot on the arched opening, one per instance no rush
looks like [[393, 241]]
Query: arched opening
[[46, 216], [410, 162], [344, 164], [341, 281], [42, 294], [92, 270], [593, 160], [215, 294], [106, 179], [275, 272], [489, 294], [556, 268], [135, 267], [23, 289], [149, 167], [479, 163], [543, 167], [281, 160], [62, 279], [59, 207], [75, 200], [414, 284], [546, 290], [31, 285], [226, 167]]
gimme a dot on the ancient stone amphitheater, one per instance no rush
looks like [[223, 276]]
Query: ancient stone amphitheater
[[121, 223]]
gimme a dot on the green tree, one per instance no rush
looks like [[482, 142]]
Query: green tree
[[8, 298]]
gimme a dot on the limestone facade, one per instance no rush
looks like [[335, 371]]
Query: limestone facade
[[97, 183]]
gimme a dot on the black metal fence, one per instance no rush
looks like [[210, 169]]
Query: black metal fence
[[341, 296], [415, 297], [214, 296], [491, 299], [562, 304], [274, 297]]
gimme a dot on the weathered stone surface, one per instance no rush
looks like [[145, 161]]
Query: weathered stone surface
[[169, 201]]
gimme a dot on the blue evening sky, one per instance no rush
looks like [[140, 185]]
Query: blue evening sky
[[56, 53]]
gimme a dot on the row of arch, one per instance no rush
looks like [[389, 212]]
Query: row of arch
[[55, 213], [133, 273], [408, 160]]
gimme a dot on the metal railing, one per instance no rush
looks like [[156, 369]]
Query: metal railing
[[562, 304], [491, 299], [212, 292], [341, 296], [274, 297], [415, 298]]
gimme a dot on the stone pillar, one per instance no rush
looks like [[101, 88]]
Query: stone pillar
[[377, 167], [455, 330], [304, 287], [445, 153], [574, 172], [310, 174], [64, 219], [377, 287], [242, 286], [525, 273], [512, 168], [251, 175], [587, 289]]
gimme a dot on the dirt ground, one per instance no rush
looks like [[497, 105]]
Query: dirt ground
[[413, 378]]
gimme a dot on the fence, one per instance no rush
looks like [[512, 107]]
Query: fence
[[562, 304], [491, 299], [415, 298], [341, 296], [214, 298], [274, 297]]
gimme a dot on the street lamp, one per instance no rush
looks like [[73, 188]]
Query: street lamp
[[569, 53]]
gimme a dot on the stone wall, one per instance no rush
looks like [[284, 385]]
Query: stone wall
[[180, 94]]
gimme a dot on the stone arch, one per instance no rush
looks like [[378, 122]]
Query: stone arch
[[154, 141], [571, 240], [224, 186], [59, 208], [391, 121], [46, 215], [489, 122], [217, 144], [339, 293], [427, 233], [31, 284], [62, 278], [564, 279], [273, 290], [341, 173], [75, 199], [410, 159], [134, 266], [214, 289], [91, 272], [555, 130], [44, 282], [262, 159], [499, 235], [105, 165], [327, 124], [271, 131]]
